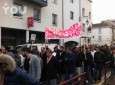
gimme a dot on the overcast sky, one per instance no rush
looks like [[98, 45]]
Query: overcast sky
[[102, 10]]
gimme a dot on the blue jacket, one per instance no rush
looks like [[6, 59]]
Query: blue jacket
[[71, 62], [19, 77], [35, 67]]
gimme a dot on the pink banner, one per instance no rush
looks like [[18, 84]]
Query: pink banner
[[74, 31]]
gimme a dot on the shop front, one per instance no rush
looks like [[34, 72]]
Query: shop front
[[36, 37], [12, 37]]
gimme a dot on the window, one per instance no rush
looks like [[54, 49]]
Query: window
[[100, 38], [45, 0], [37, 15], [55, 1], [83, 11], [71, 1], [54, 19], [90, 1], [90, 15], [83, 28], [99, 31], [71, 15], [18, 9]]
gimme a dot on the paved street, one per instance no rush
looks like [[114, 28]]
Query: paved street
[[111, 81]]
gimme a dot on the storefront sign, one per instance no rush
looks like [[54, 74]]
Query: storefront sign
[[33, 37], [73, 31]]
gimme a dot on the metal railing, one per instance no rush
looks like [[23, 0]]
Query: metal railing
[[81, 79], [76, 80]]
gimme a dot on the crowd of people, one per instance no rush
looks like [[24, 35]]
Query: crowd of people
[[48, 67]]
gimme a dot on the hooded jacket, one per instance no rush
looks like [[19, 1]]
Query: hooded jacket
[[13, 75]]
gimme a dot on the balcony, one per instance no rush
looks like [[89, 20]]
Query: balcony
[[41, 3], [90, 1]]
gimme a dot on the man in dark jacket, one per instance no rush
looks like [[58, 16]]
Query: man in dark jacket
[[61, 59], [89, 65], [70, 63], [79, 57], [99, 59], [51, 67]]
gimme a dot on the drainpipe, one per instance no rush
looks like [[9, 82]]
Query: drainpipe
[[113, 34], [80, 10], [62, 40]]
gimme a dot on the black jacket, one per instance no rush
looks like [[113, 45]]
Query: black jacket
[[51, 71], [89, 59], [99, 57], [79, 59]]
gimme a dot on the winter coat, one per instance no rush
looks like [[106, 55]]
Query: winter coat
[[89, 59], [71, 62], [35, 67], [13, 75], [44, 69], [19, 77], [51, 67], [99, 58], [79, 59]]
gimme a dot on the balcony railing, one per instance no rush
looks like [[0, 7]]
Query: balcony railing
[[41, 3]]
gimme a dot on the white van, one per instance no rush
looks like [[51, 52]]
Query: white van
[[38, 46]]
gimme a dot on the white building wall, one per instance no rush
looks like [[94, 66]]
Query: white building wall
[[87, 5], [46, 15], [68, 6], [106, 36], [8, 20], [21, 23]]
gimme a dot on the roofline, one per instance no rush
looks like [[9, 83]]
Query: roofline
[[100, 25]]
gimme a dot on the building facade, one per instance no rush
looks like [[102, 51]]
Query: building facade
[[13, 24], [103, 33], [85, 18], [14, 15]]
